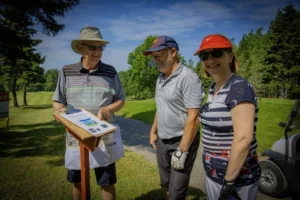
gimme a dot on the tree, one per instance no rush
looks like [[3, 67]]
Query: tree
[[206, 81], [16, 22], [250, 55], [283, 53], [142, 73], [34, 73], [51, 76]]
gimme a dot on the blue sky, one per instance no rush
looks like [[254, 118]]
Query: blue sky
[[127, 23]]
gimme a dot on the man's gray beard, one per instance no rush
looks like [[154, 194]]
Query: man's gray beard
[[161, 68]]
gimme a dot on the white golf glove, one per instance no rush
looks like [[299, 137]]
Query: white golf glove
[[178, 159]]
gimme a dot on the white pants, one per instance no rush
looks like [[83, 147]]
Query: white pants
[[246, 193]]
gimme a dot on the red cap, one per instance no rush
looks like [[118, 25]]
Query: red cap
[[214, 42]]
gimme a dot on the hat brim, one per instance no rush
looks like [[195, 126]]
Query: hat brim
[[213, 45], [149, 51], [74, 43]]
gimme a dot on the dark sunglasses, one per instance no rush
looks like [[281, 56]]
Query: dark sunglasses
[[216, 53], [160, 53], [94, 48]]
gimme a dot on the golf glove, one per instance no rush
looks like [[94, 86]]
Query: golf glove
[[228, 190], [178, 159]]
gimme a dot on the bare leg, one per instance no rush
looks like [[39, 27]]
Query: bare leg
[[77, 191], [167, 194], [108, 192]]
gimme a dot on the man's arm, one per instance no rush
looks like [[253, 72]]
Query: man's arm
[[153, 132], [105, 112], [190, 129], [58, 107]]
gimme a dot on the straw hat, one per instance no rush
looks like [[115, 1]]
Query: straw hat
[[89, 33]]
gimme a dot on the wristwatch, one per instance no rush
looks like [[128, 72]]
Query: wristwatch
[[178, 153]]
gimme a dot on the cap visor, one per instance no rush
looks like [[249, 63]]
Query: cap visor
[[149, 51]]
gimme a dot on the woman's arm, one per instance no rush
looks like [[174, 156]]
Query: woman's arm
[[243, 125]]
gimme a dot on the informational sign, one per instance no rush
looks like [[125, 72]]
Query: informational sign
[[89, 123], [4, 105]]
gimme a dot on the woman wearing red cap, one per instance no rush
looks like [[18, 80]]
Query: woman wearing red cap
[[228, 125]]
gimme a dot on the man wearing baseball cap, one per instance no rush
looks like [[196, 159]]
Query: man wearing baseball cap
[[96, 87], [174, 133]]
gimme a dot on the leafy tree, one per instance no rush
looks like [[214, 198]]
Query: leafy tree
[[16, 22], [206, 81], [34, 74], [51, 76], [142, 73]]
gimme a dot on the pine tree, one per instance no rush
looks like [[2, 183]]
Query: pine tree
[[283, 54]]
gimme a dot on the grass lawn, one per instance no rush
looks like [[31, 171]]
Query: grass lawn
[[271, 112], [32, 159]]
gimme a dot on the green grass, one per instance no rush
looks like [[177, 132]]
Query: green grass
[[143, 110], [32, 159], [271, 112]]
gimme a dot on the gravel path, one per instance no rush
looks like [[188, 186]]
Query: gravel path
[[135, 136]]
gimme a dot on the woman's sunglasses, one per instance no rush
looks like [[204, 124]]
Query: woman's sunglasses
[[216, 53], [94, 48]]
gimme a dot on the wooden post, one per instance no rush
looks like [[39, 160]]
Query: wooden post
[[85, 173]]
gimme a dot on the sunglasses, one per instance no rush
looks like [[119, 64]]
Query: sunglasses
[[94, 48], [216, 53], [159, 53]]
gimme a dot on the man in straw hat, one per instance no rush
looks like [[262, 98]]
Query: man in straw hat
[[174, 133], [96, 87]]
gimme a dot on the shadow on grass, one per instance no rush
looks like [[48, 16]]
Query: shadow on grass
[[37, 107], [39, 140], [159, 194], [35, 126]]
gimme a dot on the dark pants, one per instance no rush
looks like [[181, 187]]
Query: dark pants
[[176, 181]]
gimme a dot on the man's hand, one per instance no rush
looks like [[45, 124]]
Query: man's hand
[[153, 138], [104, 113], [178, 159], [58, 111], [228, 190]]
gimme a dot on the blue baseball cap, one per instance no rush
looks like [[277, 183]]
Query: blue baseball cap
[[162, 42]]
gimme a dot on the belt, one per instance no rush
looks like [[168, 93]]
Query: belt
[[172, 140]]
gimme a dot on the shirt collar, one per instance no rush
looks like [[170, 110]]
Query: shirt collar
[[175, 73], [86, 71]]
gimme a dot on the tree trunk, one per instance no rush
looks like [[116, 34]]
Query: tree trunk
[[24, 96], [282, 89], [13, 91]]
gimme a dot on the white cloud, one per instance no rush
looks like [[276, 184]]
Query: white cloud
[[174, 20], [186, 20]]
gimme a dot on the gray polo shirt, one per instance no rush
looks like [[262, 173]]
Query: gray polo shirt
[[88, 90], [181, 90]]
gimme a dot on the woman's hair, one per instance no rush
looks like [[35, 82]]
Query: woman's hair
[[234, 65]]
